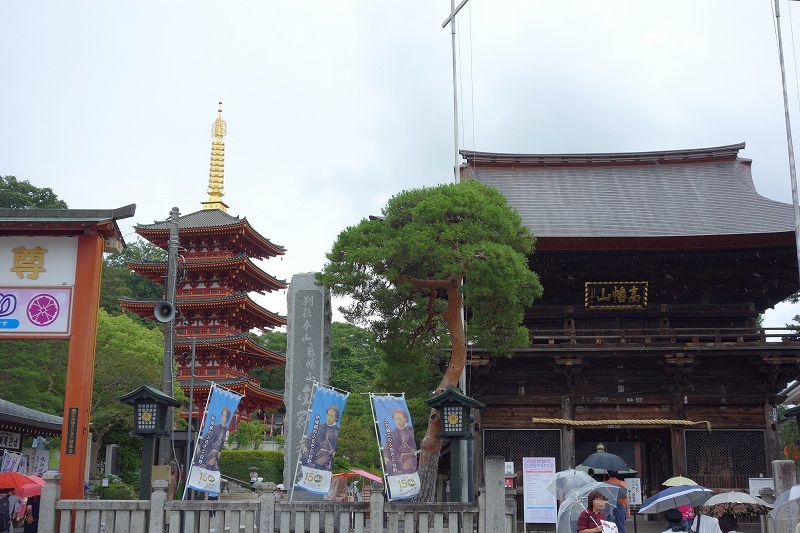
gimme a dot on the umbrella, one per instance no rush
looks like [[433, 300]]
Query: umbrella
[[575, 503], [735, 504], [605, 461], [678, 481], [674, 497], [364, 473], [30, 489], [562, 482], [12, 480], [785, 505]]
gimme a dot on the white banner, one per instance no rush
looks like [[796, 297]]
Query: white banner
[[540, 505]]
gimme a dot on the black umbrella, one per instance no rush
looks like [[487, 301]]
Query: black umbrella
[[605, 461]]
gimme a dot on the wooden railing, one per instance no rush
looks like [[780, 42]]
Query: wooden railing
[[670, 336], [265, 515]]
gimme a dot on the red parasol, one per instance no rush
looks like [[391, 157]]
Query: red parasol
[[30, 489], [13, 480]]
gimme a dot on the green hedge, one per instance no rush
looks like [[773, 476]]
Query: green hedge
[[236, 464]]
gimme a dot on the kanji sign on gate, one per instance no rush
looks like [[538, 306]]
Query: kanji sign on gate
[[37, 279]]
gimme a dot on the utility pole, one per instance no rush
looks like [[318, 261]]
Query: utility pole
[[792, 171], [165, 442], [452, 21]]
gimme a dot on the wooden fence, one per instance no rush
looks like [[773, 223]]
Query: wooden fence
[[265, 515]]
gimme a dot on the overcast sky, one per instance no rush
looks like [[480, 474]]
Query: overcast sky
[[333, 107]]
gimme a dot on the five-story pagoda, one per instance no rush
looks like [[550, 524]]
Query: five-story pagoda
[[215, 275]]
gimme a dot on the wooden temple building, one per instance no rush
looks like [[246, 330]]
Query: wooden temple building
[[215, 276], [655, 268]]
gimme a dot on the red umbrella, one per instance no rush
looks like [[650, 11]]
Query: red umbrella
[[29, 489], [13, 480]]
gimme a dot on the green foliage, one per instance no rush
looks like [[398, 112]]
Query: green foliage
[[127, 355], [248, 434], [235, 464], [130, 453], [395, 268], [33, 374], [354, 357], [16, 194], [114, 491], [788, 433], [357, 443]]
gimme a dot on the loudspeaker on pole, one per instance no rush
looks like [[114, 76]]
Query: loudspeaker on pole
[[164, 311]]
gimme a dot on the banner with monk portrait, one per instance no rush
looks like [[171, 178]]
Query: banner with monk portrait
[[397, 446]]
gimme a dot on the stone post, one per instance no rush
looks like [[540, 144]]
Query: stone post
[[495, 494], [376, 508], [158, 500], [784, 475], [47, 503], [308, 359], [266, 504]]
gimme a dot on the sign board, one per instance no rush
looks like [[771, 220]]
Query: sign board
[[37, 277], [755, 484], [10, 440], [509, 468], [634, 485], [540, 505]]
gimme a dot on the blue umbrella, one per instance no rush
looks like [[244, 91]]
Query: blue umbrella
[[674, 497]]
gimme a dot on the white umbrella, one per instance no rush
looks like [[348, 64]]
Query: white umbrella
[[575, 503], [678, 481], [785, 505], [736, 504], [564, 481]]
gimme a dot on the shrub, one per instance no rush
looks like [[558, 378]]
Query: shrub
[[235, 464], [115, 491]]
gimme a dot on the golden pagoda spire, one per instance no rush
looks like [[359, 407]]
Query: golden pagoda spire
[[216, 176]]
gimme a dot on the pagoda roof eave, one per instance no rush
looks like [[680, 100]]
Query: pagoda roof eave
[[144, 306], [206, 222], [237, 385], [242, 341], [156, 270]]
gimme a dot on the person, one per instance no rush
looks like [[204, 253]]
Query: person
[[591, 519], [174, 471], [623, 509], [728, 523], [687, 511], [279, 492], [210, 444], [675, 520], [705, 524], [7, 504], [31, 524], [400, 449], [319, 446]]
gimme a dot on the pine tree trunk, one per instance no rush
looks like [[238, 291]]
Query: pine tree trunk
[[431, 446]]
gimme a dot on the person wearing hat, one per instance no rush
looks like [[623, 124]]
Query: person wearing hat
[[675, 519], [279, 492]]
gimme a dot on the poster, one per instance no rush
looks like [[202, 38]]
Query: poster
[[540, 505], [204, 471], [319, 442], [398, 447]]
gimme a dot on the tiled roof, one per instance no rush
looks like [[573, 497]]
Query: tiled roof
[[205, 218], [707, 191], [17, 414]]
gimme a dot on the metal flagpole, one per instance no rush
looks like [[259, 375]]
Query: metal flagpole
[[202, 423], [792, 172], [452, 21], [189, 427]]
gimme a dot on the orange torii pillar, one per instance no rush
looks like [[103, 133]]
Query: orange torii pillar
[[80, 366]]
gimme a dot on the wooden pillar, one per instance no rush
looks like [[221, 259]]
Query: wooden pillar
[[772, 435], [567, 433], [477, 450], [80, 367], [677, 440]]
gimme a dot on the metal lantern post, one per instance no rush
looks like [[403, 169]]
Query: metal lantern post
[[454, 411], [150, 409]]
